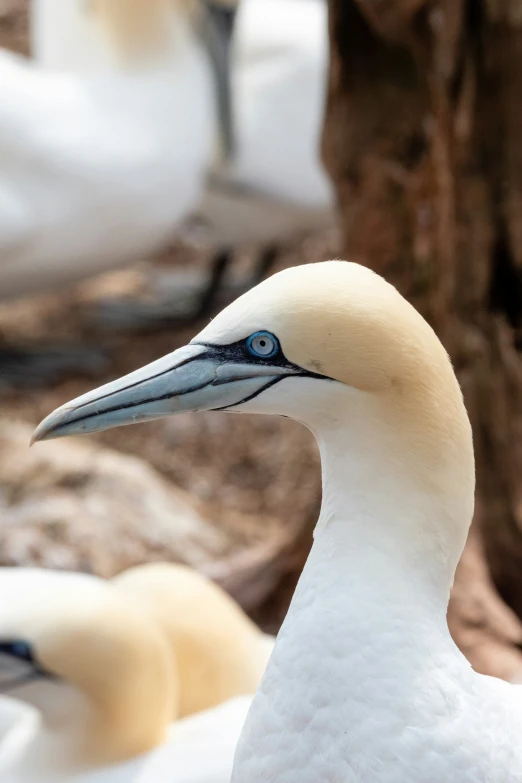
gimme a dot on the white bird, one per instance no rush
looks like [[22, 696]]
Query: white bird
[[365, 682], [279, 67], [272, 188], [104, 140], [107, 137], [101, 167], [98, 687]]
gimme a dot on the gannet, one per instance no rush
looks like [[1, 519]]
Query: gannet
[[106, 137], [273, 187], [95, 677], [219, 652], [274, 176], [365, 682]]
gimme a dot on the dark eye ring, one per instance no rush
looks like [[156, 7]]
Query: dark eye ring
[[263, 345], [17, 649]]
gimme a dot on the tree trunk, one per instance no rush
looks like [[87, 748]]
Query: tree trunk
[[423, 139]]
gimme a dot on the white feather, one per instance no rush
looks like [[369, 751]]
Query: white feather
[[98, 166]]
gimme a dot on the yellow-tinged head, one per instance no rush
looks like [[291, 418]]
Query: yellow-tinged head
[[75, 630], [341, 320], [136, 27], [336, 347], [94, 34], [218, 651]]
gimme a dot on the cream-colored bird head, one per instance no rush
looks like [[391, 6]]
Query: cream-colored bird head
[[218, 651], [96, 35], [100, 34], [336, 347], [74, 632], [136, 27]]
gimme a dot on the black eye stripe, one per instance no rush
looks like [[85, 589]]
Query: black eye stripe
[[238, 352], [18, 649], [21, 651]]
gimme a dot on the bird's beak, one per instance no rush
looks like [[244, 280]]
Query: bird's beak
[[16, 674], [194, 378], [11, 672], [216, 31]]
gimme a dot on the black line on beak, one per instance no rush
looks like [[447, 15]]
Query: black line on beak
[[147, 380], [255, 394], [269, 385], [24, 679], [138, 403]]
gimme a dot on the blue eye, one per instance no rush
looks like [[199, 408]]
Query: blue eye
[[262, 344]]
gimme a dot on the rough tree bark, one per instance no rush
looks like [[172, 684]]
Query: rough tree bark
[[423, 139]]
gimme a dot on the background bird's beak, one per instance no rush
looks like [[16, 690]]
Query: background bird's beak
[[16, 674], [193, 378], [217, 27]]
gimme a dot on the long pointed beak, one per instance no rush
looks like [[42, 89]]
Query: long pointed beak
[[193, 378]]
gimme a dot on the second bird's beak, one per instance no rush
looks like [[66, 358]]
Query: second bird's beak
[[217, 28], [193, 378]]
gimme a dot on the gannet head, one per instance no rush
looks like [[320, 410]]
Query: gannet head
[[96, 34], [106, 36], [91, 35], [332, 345], [94, 667], [219, 652]]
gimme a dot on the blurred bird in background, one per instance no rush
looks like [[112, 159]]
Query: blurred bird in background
[[105, 138], [135, 123], [144, 678], [271, 186]]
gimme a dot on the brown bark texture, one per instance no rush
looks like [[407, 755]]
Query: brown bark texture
[[423, 139]]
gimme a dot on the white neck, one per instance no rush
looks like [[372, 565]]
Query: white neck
[[367, 622], [377, 559], [384, 530]]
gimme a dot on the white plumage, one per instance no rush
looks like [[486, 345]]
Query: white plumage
[[102, 153], [197, 749], [275, 186], [96, 671], [102, 157], [365, 682]]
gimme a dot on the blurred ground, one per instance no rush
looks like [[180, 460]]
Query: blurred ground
[[256, 478]]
